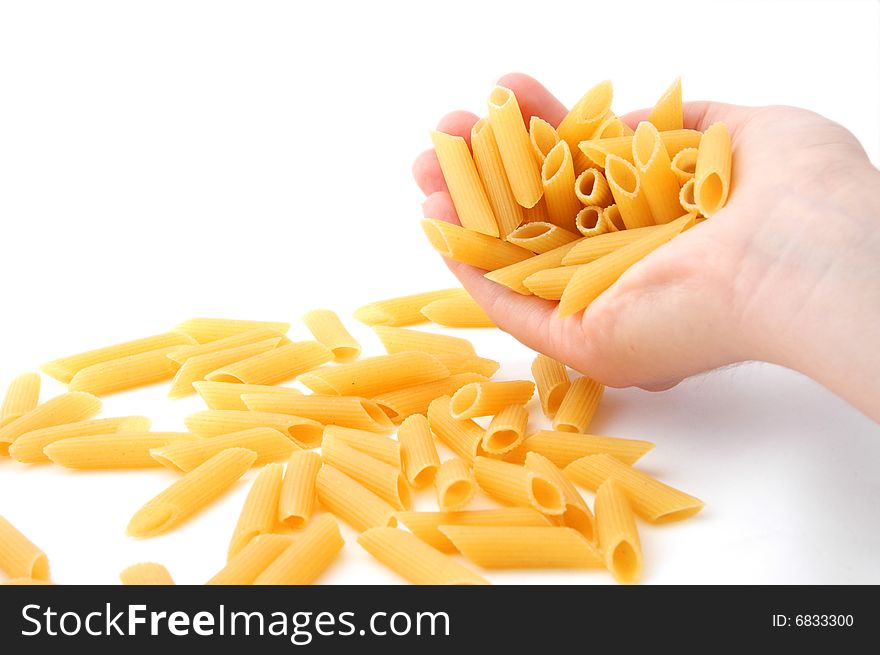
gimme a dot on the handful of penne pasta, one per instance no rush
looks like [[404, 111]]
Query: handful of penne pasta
[[562, 212]]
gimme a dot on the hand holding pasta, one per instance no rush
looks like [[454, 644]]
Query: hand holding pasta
[[791, 241]]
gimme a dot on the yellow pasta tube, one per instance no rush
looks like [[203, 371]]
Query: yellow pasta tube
[[405, 402], [125, 373], [29, 446], [562, 448], [577, 513], [191, 493], [513, 276], [543, 137], [591, 188], [463, 437], [425, 525], [590, 221], [506, 431], [227, 395], [205, 330], [269, 444], [418, 452], [329, 331], [304, 432], [550, 283], [273, 366], [657, 181], [259, 514], [597, 150], [454, 484], [403, 310], [398, 340], [592, 279], [352, 502], [457, 313], [376, 446], [66, 408], [506, 547], [490, 166], [686, 197], [146, 573], [536, 214], [488, 398], [578, 406], [122, 450], [618, 535], [541, 237], [519, 160], [22, 396], [613, 219], [623, 179], [651, 499], [297, 496], [684, 164], [65, 368], [465, 187], [513, 484], [184, 353], [473, 248], [588, 113], [552, 382], [252, 560], [557, 178], [375, 375], [412, 558], [307, 557], [611, 126], [19, 557], [588, 250], [667, 113], [196, 368], [384, 480], [712, 173], [345, 411]]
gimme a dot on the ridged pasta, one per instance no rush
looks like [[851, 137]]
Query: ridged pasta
[[562, 448], [454, 484], [657, 181], [582, 120], [597, 150], [513, 484], [590, 221], [488, 398], [712, 173], [276, 365], [473, 248], [382, 448], [686, 198], [328, 330], [618, 535], [227, 395], [513, 276], [551, 381], [397, 340], [122, 450], [345, 411], [543, 137], [29, 446], [19, 557], [125, 373], [304, 432], [303, 561], [588, 250], [22, 396], [611, 126], [296, 499], [403, 310], [591, 188], [515, 147], [259, 514], [487, 157], [269, 444], [558, 180], [251, 560], [146, 573], [613, 219], [463, 437], [623, 179], [578, 406], [667, 113], [196, 368], [382, 479], [550, 283], [184, 353], [66, 408], [542, 237], [577, 513], [376, 375], [351, 501], [418, 452], [457, 313], [506, 430], [684, 164], [425, 525], [400, 404], [205, 330]]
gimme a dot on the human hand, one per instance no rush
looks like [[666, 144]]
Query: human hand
[[788, 271]]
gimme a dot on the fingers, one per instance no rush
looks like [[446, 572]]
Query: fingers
[[458, 123], [426, 171], [534, 99]]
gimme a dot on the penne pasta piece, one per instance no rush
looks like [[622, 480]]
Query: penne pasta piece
[[684, 164], [277, 365], [455, 486], [543, 137], [259, 514], [558, 180], [613, 219], [252, 560], [460, 172], [304, 432], [625, 184], [382, 479], [146, 573], [513, 484], [125, 373], [550, 283], [307, 557], [400, 404], [65, 368], [425, 525], [562, 448], [552, 382], [412, 558], [185, 353], [376, 375], [122, 450], [19, 557], [329, 331], [656, 179], [269, 444], [612, 126], [592, 279], [376, 446], [297, 496], [417, 450], [473, 248], [686, 198], [588, 113], [667, 113], [462, 437], [29, 446], [488, 398], [590, 221], [513, 276], [591, 188], [506, 431], [490, 166], [457, 313], [588, 250], [536, 214], [345, 411], [712, 172], [541, 237], [651, 499], [197, 367], [578, 406], [191, 493], [227, 395], [66, 408], [22, 396], [577, 513], [515, 147], [205, 330], [352, 502], [403, 310], [398, 340], [506, 547], [597, 150], [618, 535]]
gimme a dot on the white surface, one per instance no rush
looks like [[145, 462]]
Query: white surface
[[164, 160]]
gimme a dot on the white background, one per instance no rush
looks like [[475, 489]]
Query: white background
[[170, 159]]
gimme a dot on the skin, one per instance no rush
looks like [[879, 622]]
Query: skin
[[787, 272]]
